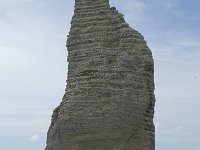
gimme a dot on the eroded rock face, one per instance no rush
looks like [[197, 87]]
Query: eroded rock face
[[109, 98]]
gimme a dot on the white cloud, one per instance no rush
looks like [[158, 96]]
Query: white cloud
[[178, 129], [168, 4], [24, 125], [135, 11], [34, 138], [171, 7], [13, 58], [177, 49], [7, 7], [11, 2]]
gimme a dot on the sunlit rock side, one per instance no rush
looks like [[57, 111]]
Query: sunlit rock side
[[109, 98]]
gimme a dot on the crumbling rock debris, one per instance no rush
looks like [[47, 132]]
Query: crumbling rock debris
[[109, 98]]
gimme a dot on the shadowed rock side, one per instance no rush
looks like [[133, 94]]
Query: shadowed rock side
[[109, 99]]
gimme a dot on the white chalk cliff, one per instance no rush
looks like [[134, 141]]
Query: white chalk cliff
[[109, 98]]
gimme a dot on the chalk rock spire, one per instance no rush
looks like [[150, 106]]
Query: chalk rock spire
[[91, 3], [109, 98]]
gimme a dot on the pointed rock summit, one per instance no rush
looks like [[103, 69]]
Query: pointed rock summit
[[109, 98]]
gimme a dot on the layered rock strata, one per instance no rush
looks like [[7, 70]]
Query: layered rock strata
[[109, 99]]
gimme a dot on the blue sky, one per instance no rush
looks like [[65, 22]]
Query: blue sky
[[33, 67]]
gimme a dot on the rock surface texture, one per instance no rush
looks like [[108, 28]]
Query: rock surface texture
[[109, 99]]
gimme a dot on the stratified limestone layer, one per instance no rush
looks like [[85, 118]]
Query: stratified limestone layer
[[109, 98]]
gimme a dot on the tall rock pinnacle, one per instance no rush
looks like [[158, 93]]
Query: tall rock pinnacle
[[109, 98]]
